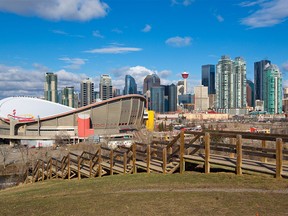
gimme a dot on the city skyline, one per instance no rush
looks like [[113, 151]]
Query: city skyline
[[79, 41]]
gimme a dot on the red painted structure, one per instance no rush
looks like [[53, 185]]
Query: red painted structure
[[84, 126]]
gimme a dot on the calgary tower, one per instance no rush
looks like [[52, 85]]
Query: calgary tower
[[185, 76]]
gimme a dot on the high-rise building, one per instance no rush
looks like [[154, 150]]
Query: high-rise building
[[208, 77], [272, 89], [68, 96], [50, 87], [105, 87], [250, 93], [259, 68], [231, 83], [285, 100], [130, 85], [87, 92], [201, 98], [172, 98], [157, 98], [150, 81]]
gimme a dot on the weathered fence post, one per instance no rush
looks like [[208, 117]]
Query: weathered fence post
[[207, 152], [134, 158], [148, 158], [111, 162], [50, 168], [264, 159], [68, 165], [232, 142], [42, 170], [182, 162], [164, 156], [78, 167], [99, 163], [90, 168], [279, 157], [239, 155], [56, 168], [124, 163]]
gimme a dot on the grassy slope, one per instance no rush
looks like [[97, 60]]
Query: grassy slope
[[144, 194]]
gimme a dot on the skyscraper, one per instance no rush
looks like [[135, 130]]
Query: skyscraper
[[68, 96], [259, 68], [250, 93], [105, 87], [272, 89], [172, 98], [201, 98], [130, 85], [157, 98], [50, 87], [87, 92], [208, 77], [150, 81], [239, 70], [231, 83]]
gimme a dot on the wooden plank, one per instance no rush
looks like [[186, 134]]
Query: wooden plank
[[232, 141], [182, 143], [143, 165], [164, 156], [207, 152], [239, 155], [78, 168], [99, 162], [111, 162], [134, 158], [279, 157], [148, 158], [125, 163], [68, 166], [264, 159]]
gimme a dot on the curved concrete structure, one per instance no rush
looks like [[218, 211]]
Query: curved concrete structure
[[117, 114]]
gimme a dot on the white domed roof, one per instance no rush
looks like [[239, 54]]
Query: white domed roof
[[30, 107]]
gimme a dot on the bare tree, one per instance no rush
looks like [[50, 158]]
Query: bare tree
[[4, 152]]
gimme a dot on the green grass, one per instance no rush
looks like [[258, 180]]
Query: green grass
[[142, 194]]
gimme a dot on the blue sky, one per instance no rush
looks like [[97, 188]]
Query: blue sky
[[86, 38]]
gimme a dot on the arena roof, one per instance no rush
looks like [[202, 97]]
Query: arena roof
[[26, 107]]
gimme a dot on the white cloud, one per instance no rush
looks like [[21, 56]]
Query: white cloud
[[138, 73], [251, 3], [147, 28], [179, 41], [78, 10], [271, 13], [73, 63], [59, 32], [17, 81], [219, 18], [117, 30], [285, 66], [114, 50], [97, 34], [181, 2]]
